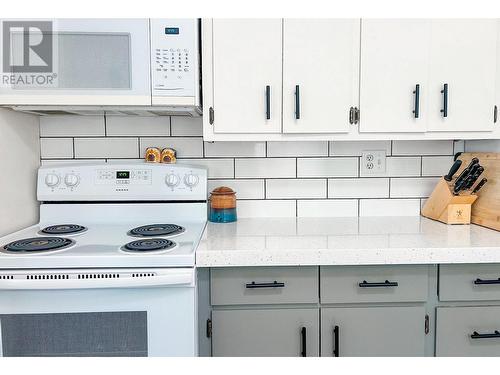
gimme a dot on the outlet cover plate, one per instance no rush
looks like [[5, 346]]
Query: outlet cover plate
[[373, 162]]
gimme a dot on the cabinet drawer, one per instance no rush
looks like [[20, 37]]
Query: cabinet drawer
[[264, 285], [358, 284], [469, 282], [394, 331], [265, 333], [468, 331]]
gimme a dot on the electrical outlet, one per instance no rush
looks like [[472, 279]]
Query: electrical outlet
[[373, 162]]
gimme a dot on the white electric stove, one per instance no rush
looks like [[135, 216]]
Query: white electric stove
[[112, 260]]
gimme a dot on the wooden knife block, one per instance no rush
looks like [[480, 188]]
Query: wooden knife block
[[443, 206]]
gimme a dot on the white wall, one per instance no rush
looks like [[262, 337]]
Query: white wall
[[19, 160], [270, 178]]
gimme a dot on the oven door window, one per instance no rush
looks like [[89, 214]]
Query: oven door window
[[94, 334]]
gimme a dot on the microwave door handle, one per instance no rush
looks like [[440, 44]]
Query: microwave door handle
[[185, 278]]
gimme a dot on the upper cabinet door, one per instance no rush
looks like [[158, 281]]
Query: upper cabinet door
[[462, 74], [247, 75], [394, 75], [320, 74]]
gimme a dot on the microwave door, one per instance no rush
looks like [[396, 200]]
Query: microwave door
[[94, 62]]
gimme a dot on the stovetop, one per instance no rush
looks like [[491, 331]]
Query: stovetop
[[103, 245], [99, 215]]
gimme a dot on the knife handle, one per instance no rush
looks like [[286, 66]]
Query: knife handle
[[480, 185], [466, 170], [454, 168], [471, 180]]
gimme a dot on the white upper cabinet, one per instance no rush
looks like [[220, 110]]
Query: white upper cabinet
[[296, 79], [247, 75], [394, 75], [462, 72], [320, 74]]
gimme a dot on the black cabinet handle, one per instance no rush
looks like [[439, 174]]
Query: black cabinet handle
[[297, 102], [444, 91], [303, 339], [486, 282], [336, 348], [254, 285], [416, 108], [494, 335], [268, 102], [386, 283]]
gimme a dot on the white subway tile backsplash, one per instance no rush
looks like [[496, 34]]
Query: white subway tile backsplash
[[399, 167], [358, 188], [217, 168], [235, 149], [266, 208], [349, 148], [265, 168], [412, 187], [295, 188], [70, 161], [297, 149], [271, 179], [389, 207], [327, 167], [483, 145], [436, 165], [56, 148], [245, 189], [106, 148], [422, 147], [327, 208], [458, 146], [71, 126], [182, 126], [185, 147], [137, 126]]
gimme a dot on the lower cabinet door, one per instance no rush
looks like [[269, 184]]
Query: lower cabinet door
[[373, 331], [468, 331], [262, 333]]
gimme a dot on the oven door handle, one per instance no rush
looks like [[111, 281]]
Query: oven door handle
[[172, 278]]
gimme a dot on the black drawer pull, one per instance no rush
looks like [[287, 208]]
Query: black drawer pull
[[268, 102], [297, 102], [386, 283], [336, 348], [303, 339], [416, 107], [486, 282], [444, 91], [254, 285], [476, 335]]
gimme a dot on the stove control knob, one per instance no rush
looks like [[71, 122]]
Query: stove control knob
[[191, 180], [52, 180], [172, 180], [71, 180]]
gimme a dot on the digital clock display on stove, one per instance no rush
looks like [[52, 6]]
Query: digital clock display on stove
[[122, 174]]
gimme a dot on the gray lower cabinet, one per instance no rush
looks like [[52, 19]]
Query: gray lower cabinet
[[469, 282], [472, 331], [373, 331], [265, 332]]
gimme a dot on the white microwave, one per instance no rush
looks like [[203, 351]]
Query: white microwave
[[88, 65]]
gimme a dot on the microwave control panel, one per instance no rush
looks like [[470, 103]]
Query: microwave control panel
[[174, 57]]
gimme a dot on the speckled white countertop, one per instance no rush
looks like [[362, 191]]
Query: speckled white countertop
[[345, 241]]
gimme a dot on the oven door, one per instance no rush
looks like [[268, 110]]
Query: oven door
[[76, 62], [141, 312]]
